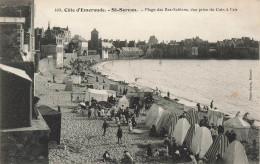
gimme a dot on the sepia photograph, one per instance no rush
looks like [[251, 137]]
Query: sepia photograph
[[129, 81]]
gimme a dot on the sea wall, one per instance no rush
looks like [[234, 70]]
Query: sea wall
[[25, 145]]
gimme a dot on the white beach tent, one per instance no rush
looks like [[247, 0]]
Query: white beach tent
[[65, 79], [153, 115], [215, 117], [235, 154], [239, 126], [76, 79], [99, 95], [180, 130], [201, 141], [123, 101]]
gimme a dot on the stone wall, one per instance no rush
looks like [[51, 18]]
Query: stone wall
[[25, 145]]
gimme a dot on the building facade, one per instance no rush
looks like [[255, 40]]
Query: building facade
[[17, 30]]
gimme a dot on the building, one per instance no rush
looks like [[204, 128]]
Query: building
[[132, 44], [52, 44], [153, 40], [107, 48], [131, 52], [17, 30], [64, 33], [79, 44], [94, 43], [38, 33]]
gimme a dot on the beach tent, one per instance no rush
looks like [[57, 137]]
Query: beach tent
[[239, 126], [215, 117], [76, 79], [173, 122], [65, 79], [235, 154], [192, 116], [165, 120], [180, 130], [188, 139], [153, 115], [69, 86], [219, 146], [201, 141], [99, 95], [59, 78], [123, 101]]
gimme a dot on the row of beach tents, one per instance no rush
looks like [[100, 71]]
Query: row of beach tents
[[198, 139]]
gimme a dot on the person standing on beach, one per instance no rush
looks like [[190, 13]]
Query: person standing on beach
[[119, 134], [198, 105], [105, 126], [211, 104], [168, 94]]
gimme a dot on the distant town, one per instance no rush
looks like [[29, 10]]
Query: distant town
[[192, 48]]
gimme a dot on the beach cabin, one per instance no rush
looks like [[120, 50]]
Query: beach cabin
[[239, 126], [153, 115], [123, 102], [76, 79], [99, 95], [201, 141]]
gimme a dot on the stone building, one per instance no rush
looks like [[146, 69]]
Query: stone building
[[38, 33], [94, 43], [52, 44], [17, 30]]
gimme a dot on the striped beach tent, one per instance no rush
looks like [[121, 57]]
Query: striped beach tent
[[190, 134], [219, 146], [165, 120], [172, 123], [192, 117], [180, 130]]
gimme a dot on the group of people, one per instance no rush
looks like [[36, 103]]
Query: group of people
[[177, 153], [127, 157]]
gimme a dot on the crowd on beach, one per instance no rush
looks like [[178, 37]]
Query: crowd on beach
[[123, 116]]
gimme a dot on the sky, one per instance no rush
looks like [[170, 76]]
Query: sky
[[165, 25]]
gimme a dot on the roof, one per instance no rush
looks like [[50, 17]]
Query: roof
[[131, 49], [46, 110], [107, 44], [78, 38], [236, 122], [103, 92], [15, 71]]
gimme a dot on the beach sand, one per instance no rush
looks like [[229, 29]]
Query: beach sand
[[81, 138]]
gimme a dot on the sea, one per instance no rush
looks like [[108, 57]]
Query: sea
[[233, 85]]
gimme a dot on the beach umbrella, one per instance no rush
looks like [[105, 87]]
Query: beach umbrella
[[219, 146], [172, 123], [180, 131], [192, 117], [190, 134], [82, 104]]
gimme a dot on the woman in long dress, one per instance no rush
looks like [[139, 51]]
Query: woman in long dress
[[130, 127]]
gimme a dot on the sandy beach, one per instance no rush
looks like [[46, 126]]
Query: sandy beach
[[81, 138]]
